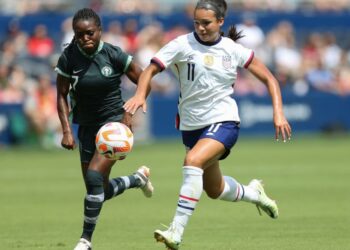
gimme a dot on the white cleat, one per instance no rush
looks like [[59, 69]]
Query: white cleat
[[170, 237], [268, 205], [146, 186], [83, 244]]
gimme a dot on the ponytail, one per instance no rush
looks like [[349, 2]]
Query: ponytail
[[234, 34]]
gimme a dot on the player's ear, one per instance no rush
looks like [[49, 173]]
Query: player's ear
[[221, 21]]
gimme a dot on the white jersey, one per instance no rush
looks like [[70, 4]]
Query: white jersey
[[206, 73]]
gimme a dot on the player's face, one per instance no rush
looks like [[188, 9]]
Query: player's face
[[87, 34], [206, 25]]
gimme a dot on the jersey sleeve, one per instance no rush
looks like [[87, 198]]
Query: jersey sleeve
[[62, 66], [244, 56], [122, 59], [167, 54]]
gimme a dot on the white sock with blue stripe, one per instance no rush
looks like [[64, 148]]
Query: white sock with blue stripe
[[234, 191], [190, 193]]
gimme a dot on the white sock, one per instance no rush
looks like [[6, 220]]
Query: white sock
[[234, 191], [190, 193], [250, 194]]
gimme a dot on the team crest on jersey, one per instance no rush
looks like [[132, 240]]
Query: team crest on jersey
[[106, 71], [208, 60], [190, 58], [226, 62]]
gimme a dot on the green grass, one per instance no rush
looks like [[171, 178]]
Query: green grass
[[41, 194]]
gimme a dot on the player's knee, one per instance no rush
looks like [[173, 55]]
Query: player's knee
[[93, 178], [193, 160]]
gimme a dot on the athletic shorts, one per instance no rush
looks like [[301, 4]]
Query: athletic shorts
[[224, 132], [87, 147]]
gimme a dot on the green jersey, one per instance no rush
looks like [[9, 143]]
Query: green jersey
[[95, 82]]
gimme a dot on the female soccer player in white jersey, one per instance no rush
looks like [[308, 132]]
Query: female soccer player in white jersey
[[205, 64]]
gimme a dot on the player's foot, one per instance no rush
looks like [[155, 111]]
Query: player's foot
[[268, 205], [170, 237], [146, 186], [83, 244]]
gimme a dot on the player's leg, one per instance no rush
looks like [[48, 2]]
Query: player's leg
[[205, 150], [116, 186], [253, 192], [226, 188], [95, 169], [95, 172], [139, 179]]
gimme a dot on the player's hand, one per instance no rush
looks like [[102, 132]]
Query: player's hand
[[134, 103], [282, 128], [68, 141]]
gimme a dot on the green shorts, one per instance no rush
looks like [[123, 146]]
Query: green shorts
[[87, 147]]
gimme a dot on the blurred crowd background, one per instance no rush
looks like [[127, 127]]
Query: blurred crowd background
[[306, 44]]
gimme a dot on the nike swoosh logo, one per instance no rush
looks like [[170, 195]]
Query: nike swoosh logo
[[91, 208], [77, 71], [88, 151]]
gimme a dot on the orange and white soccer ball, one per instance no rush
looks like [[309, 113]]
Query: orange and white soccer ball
[[114, 140]]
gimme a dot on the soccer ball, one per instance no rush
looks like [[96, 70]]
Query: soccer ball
[[114, 140]]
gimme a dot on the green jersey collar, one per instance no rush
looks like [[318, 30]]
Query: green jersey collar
[[99, 48]]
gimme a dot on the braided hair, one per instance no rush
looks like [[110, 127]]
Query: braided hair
[[86, 14], [219, 7]]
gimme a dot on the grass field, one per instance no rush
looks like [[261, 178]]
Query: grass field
[[41, 195]]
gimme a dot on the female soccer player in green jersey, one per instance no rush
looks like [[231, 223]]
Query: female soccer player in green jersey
[[89, 72]]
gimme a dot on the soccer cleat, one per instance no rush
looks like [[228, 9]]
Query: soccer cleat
[[83, 244], [170, 237], [264, 202], [146, 186]]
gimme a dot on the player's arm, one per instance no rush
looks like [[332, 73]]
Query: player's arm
[[62, 84], [142, 90], [260, 71], [134, 71]]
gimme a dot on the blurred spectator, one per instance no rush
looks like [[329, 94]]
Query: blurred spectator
[[130, 32], [114, 35], [287, 59], [17, 88], [174, 32], [67, 32], [23, 7], [40, 108], [344, 80], [311, 50], [40, 45], [253, 36], [150, 40], [321, 78], [134, 6], [332, 53], [8, 53], [17, 38], [4, 72]]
